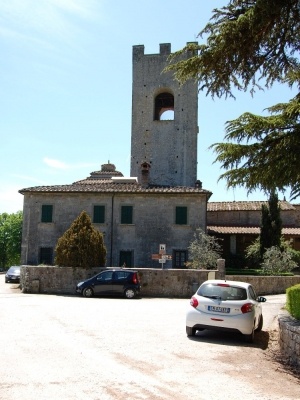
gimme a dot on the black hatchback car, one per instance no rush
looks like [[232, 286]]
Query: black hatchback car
[[111, 282]]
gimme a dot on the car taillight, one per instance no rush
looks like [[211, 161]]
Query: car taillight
[[194, 302], [135, 278], [248, 307]]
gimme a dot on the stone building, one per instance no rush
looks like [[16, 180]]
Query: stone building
[[237, 224], [161, 203]]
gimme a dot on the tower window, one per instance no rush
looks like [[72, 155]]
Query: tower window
[[164, 104]]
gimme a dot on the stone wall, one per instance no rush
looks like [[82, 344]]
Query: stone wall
[[154, 282], [289, 339], [265, 285]]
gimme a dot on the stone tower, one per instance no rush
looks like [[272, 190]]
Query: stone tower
[[163, 151]]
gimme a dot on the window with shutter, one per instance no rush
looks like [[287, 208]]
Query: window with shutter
[[181, 216], [126, 214], [99, 214], [47, 213]]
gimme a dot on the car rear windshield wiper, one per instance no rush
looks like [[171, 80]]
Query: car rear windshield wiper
[[213, 297]]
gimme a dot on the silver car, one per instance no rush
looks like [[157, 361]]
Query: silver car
[[225, 305], [13, 274]]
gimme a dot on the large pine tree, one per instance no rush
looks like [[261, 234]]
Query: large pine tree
[[250, 44]]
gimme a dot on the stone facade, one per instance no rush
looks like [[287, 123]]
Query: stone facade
[[153, 223]]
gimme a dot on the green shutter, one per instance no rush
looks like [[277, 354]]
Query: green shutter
[[126, 214], [99, 214], [181, 216], [47, 211]]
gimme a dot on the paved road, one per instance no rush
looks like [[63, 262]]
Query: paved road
[[69, 348]]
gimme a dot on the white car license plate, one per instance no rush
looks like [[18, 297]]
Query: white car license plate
[[219, 309]]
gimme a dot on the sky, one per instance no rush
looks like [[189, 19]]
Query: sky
[[66, 89]]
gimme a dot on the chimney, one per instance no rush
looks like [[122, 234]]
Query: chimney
[[198, 184], [145, 169]]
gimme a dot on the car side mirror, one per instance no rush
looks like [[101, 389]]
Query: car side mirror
[[261, 299]]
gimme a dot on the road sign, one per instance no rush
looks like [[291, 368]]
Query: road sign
[[162, 249], [156, 256], [162, 261]]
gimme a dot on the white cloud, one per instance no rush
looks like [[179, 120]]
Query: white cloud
[[57, 164], [49, 18]]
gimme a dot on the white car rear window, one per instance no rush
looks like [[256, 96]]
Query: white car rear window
[[222, 292]]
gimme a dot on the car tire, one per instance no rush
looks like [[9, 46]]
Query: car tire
[[88, 292], [190, 331], [260, 324], [250, 338], [129, 293]]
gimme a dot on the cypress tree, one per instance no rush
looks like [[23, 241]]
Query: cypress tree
[[271, 224], [81, 245]]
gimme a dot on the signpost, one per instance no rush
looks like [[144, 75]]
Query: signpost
[[162, 257]]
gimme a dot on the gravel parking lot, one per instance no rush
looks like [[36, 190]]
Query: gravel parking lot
[[68, 347]]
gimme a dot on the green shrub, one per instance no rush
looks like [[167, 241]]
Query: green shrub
[[295, 254], [276, 262], [255, 272], [81, 245], [204, 251], [293, 301], [249, 271]]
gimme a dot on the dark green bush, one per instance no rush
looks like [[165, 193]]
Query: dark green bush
[[293, 301], [81, 245], [249, 271]]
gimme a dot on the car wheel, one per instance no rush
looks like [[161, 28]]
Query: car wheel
[[260, 324], [88, 292], [250, 338], [129, 293], [190, 331]]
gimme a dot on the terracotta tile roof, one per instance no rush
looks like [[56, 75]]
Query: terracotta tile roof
[[247, 230], [244, 206], [107, 186], [234, 230]]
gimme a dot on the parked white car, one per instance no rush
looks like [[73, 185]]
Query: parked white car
[[225, 305]]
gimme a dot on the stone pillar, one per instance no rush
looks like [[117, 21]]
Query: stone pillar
[[221, 268]]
